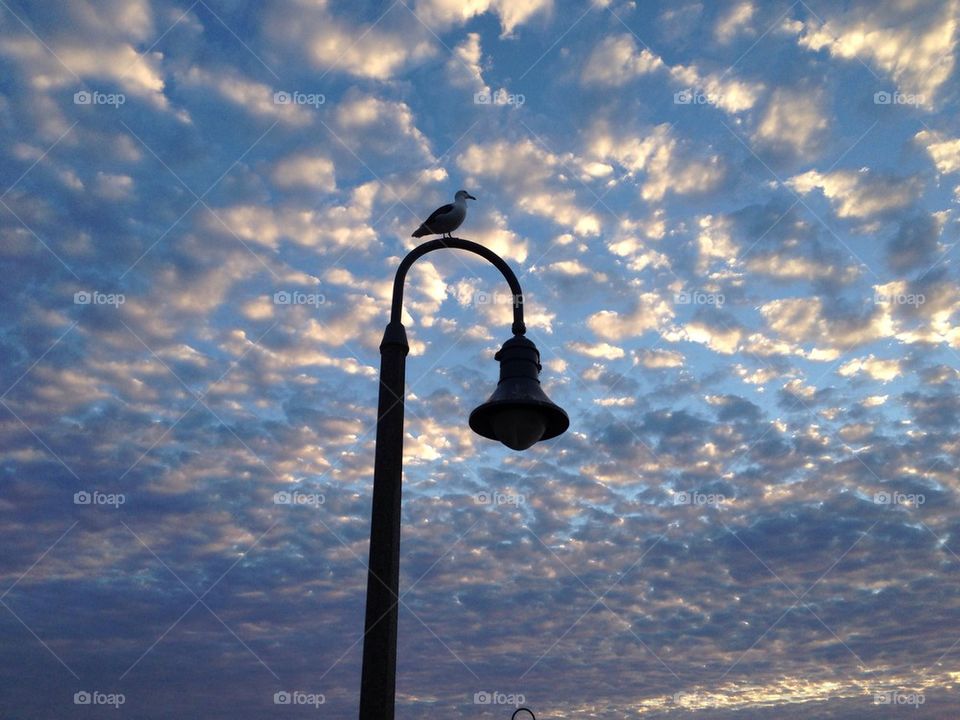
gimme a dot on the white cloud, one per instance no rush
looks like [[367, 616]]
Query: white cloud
[[793, 123], [715, 242], [530, 174], [379, 51], [367, 123], [797, 388], [125, 18], [342, 226], [728, 93], [667, 163], [574, 268], [719, 339], [884, 370], [658, 358], [651, 313], [945, 152], [113, 187], [138, 75], [442, 14], [736, 21], [615, 61], [786, 267], [858, 195], [793, 318], [760, 345], [597, 350], [630, 241], [253, 97], [913, 42], [315, 172], [806, 319], [758, 376], [490, 229], [464, 68]]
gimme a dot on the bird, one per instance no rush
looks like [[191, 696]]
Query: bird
[[444, 220]]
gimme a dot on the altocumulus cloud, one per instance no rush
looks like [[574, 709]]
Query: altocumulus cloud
[[734, 224]]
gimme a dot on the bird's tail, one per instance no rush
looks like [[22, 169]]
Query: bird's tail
[[421, 231]]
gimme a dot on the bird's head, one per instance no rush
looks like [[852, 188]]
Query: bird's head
[[463, 195]]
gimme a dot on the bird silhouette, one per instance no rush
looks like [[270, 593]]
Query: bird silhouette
[[444, 220]]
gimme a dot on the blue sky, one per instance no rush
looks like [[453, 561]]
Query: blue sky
[[735, 226]]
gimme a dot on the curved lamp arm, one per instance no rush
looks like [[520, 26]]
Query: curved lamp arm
[[396, 308]]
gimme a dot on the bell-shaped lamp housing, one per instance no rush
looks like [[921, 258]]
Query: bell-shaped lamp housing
[[519, 414]]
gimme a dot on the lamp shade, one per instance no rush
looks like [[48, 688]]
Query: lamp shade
[[519, 413]]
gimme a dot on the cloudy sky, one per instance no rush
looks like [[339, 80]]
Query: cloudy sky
[[735, 225]]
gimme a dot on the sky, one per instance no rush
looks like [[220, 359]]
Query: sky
[[735, 227]]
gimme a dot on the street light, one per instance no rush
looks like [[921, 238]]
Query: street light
[[518, 414]]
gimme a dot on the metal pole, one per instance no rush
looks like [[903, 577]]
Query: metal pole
[[379, 679]]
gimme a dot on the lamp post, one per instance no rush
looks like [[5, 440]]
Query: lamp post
[[518, 414]]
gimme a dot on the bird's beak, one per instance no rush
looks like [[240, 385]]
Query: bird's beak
[[470, 197]]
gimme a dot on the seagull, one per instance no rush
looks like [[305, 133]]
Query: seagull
[[444, 220]]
